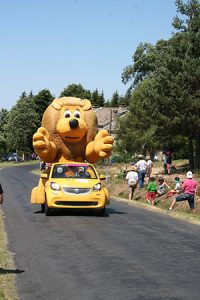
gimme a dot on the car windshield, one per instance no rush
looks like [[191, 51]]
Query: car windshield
[[73, 171]]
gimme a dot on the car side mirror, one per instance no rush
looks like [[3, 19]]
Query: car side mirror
[[102, 177], [44, 176]]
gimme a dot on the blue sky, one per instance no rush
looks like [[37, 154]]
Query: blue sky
[[53, 43]]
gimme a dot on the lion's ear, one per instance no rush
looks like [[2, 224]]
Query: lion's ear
[[57, 103], [85, 104]]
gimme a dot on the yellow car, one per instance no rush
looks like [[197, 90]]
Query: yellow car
[[74, 185]]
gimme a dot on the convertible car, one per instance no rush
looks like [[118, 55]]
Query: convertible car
[[74, 186]]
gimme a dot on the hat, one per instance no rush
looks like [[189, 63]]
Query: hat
[[141, 156], [147, 157], [189, 174]]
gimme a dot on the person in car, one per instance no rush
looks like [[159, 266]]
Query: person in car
[[70, 172], [83, 173]]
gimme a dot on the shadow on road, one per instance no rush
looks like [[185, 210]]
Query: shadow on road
[[9, 271], [114, 211], [77, 212]]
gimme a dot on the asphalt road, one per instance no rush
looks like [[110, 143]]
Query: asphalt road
[[131, 253]]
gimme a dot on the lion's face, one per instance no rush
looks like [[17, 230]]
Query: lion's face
[[71, 125]]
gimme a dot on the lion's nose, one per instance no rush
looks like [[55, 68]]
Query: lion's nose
[[73, 123]]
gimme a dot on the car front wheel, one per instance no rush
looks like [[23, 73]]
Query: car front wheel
[[47, 210], [100, 212]]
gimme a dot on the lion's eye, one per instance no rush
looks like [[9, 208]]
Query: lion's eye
[[67, 114], [77, 114]]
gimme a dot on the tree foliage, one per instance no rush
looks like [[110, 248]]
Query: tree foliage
[[41, 101], [22, 123], [165, 87], [76, 90], [97, 99], [3, 121]]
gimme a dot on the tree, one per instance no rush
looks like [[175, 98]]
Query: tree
[[41, 102], [3, 121], [76, 90], [97, 99], [22, 124], [115, 99], [171, 71]]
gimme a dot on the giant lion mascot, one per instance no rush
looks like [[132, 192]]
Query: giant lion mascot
[[69, 132]]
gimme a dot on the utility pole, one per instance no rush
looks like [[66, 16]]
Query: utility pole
[[110, 127]]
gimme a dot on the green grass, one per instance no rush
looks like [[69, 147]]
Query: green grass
[[7, 269]]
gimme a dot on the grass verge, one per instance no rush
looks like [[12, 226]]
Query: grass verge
[[7, 269]]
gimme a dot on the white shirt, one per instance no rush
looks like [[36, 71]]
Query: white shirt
[[149, 164], [132, 176], [141, 165]]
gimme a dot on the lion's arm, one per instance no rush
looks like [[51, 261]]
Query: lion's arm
[[43, 147], [101, 147], [90, 154]]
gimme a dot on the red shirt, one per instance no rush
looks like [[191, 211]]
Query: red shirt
[[189, 186]]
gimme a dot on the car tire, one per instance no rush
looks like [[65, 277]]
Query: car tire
[[47, 210], [100, 212], [43, 208]]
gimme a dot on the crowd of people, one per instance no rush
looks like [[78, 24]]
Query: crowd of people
[[139, 175]]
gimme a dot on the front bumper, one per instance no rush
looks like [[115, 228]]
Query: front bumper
[[91, 200]]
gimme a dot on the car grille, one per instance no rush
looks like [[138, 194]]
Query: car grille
[[76, 191], [77, 203]]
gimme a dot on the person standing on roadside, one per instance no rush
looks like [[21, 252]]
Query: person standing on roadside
[[149, 168], [141, 167], [165, 162], [169, 161], [132, 177], [1, 194], [189, 188]]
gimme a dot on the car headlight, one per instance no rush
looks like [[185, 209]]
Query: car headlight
[[97, 187], [55, 186]]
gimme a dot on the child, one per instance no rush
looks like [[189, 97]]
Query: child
[[162, 187], [152, 189], [132, 177], [177, 188]]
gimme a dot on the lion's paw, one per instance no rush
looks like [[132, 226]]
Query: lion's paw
[[41, 141], [103, 144]]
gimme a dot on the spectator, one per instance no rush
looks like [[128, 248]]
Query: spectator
[[189, 188], [152, 189], [177, 188], [169, 161], [33, 156], [1, 194], [162, 187], [42, 166], [165, 162], [149, 168], [132, 177], [141, 167]]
